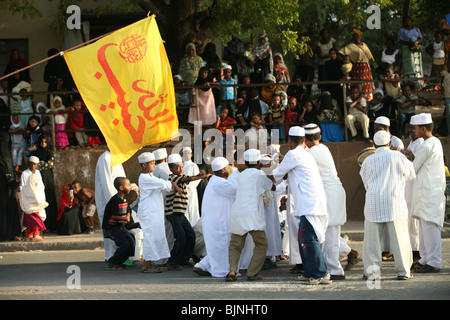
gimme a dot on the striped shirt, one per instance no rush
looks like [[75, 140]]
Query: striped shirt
[[384, 175], [176, 203]]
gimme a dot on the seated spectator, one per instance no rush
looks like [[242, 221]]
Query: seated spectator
[[329, 113], [309, 113], [292, 113], [69, 219], [251, 105], [270, 88], [357, 109], [297, 91], [406, 105]]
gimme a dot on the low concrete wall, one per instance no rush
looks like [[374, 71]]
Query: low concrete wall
[[80, 164]]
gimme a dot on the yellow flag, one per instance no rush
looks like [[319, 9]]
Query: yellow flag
[[126, 82]]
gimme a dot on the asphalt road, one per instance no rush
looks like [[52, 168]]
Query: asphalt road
[[80, 275]]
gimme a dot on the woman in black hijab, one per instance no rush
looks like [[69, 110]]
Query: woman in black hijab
[[46, 159]]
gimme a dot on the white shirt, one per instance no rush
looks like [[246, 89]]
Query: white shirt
[[428, 195], [247, 213], [335, 193], [162, 171], [384, 175], [32, 192], [413, 146]]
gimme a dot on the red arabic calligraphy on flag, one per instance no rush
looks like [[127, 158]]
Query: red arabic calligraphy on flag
[[126, 82]]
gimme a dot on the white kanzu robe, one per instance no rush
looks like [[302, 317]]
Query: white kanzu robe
[[335, 193], [151, 216], [104, 190], [336, 206], [216, 207], [306, 188], [428, 201], [413, 224]]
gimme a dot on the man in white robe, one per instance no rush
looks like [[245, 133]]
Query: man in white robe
[[216, 207], [384, 175], [247, 216], [192, 212], [104, 190], [428, 203], [413, 223], [151, 213], [336, 200], [310, 205]]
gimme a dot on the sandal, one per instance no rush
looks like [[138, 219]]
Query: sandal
[[257, 276], [114, 268], [427, 269], [231, 278], [152, 270]]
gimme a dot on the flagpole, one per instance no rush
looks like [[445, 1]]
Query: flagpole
[[55, 55]]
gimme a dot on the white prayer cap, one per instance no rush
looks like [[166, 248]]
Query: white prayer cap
[[179, 77], [383, 120], [421, 119], [160, 154], [265, 159], [252, 155], [175, 158], [227, 67], [146, 157], [297, 131], [187, 149], [312, 128], [381, 138], [219, 163], [33, 159]]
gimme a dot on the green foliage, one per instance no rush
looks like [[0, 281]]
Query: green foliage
[[23, 7]]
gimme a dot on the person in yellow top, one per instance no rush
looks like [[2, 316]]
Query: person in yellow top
[[361, 58]]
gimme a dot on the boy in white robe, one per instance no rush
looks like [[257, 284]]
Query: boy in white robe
[[310, 205], [336, 200], [104, 190], [428, 203], [216, 208], [247, 216], [151, 213]]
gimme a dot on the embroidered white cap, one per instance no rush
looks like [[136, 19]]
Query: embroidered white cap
[[187, 149], [312, 128], [297, 131], [219, 163], [146, 157], [383, 120], [160, 154], [381, 138], [421, 119], [227, 67], [175, 158]]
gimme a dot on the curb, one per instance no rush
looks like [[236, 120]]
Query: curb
[[54, 242]]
